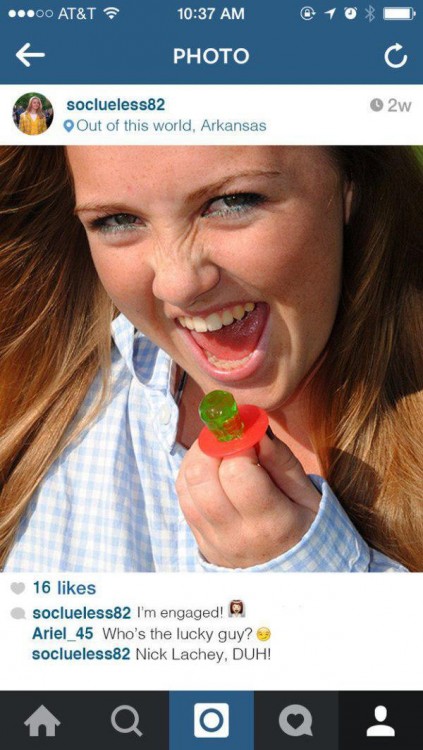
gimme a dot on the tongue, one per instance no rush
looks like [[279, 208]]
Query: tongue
[[237, 340]]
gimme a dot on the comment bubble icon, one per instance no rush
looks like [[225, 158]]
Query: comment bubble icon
[[296, 720], [17, 613]]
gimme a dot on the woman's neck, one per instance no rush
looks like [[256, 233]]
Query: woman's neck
[[293, 429], [189, 424]]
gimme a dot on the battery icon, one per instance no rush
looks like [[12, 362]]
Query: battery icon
[[398, 14]]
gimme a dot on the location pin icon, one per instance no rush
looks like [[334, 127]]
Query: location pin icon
[[68, 125]]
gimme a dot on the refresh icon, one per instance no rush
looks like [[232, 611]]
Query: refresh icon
[[395, 48]]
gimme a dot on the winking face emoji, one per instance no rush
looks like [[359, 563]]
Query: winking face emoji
[[263, 634]]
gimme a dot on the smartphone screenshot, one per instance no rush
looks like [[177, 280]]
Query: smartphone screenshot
[[211, 369]]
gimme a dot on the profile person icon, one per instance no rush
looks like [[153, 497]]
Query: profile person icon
[[380, 730]]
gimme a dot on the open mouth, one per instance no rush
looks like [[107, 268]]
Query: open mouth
[[228, 339]]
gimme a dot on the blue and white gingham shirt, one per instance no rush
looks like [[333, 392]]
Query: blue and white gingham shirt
[[108, 503]]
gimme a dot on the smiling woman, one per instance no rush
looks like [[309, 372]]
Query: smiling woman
[[290, 276], [263, 228]]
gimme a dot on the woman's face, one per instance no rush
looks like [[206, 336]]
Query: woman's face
[[188, 239], [35, 104]]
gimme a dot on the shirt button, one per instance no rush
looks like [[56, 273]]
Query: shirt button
[[165, 414]]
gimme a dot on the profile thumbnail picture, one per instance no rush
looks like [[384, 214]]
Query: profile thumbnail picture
[[33, 113]]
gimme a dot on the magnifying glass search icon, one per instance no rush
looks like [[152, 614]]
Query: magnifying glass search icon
[[132, 727]]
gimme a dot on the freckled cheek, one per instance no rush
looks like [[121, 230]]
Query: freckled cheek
[[127, 281], [308, 281], [309, 284], [289, 261]]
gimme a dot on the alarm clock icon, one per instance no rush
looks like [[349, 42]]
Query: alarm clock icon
[[350, 13]]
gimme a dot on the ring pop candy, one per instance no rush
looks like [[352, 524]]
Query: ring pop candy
[[229, 429]]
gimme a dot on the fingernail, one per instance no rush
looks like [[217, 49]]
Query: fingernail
[[270, 433]]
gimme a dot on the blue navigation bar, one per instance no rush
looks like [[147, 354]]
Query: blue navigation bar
[[173, 42]]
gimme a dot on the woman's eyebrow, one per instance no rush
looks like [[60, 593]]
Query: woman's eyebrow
[[105, 208], [227, 179], [196, 195]]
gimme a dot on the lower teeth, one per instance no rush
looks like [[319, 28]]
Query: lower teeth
[[227, 364]]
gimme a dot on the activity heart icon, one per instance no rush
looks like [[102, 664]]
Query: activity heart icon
[[17, 588]]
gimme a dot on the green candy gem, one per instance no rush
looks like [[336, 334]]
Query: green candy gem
[[219, 412]]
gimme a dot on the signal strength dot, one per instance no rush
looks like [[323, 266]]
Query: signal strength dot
[[111, 12]]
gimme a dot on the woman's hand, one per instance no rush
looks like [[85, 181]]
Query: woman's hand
[[249, 508]]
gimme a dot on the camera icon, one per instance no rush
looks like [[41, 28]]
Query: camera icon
[[211, 720]]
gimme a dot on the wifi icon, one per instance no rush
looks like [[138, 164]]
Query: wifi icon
[[111, 12]]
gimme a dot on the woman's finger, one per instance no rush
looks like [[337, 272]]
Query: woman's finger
[[287, 472], [199, 479], [249, 486]]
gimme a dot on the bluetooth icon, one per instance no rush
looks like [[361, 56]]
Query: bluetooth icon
[[370, 13]]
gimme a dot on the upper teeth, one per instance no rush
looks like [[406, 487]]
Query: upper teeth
[[216, 320]]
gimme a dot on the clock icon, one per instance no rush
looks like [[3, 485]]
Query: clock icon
[[350, 13], [376, 105]]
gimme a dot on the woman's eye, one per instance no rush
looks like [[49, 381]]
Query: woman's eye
[[233, 204], [116, 223]]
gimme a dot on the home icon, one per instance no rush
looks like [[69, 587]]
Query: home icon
[[42, 717]]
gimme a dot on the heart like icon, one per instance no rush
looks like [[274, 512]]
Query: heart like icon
[[295, 720], [17, 588]]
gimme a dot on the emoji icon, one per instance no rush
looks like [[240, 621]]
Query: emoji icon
[[236, 608], [263, 634]]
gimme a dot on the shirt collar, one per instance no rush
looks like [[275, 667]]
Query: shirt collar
[[145, 361]]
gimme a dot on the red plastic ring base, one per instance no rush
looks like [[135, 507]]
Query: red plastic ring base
[[256, 423]]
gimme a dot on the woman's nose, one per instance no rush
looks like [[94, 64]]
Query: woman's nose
[[180, 279]]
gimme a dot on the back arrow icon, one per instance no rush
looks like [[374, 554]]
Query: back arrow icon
[[22, 54]]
